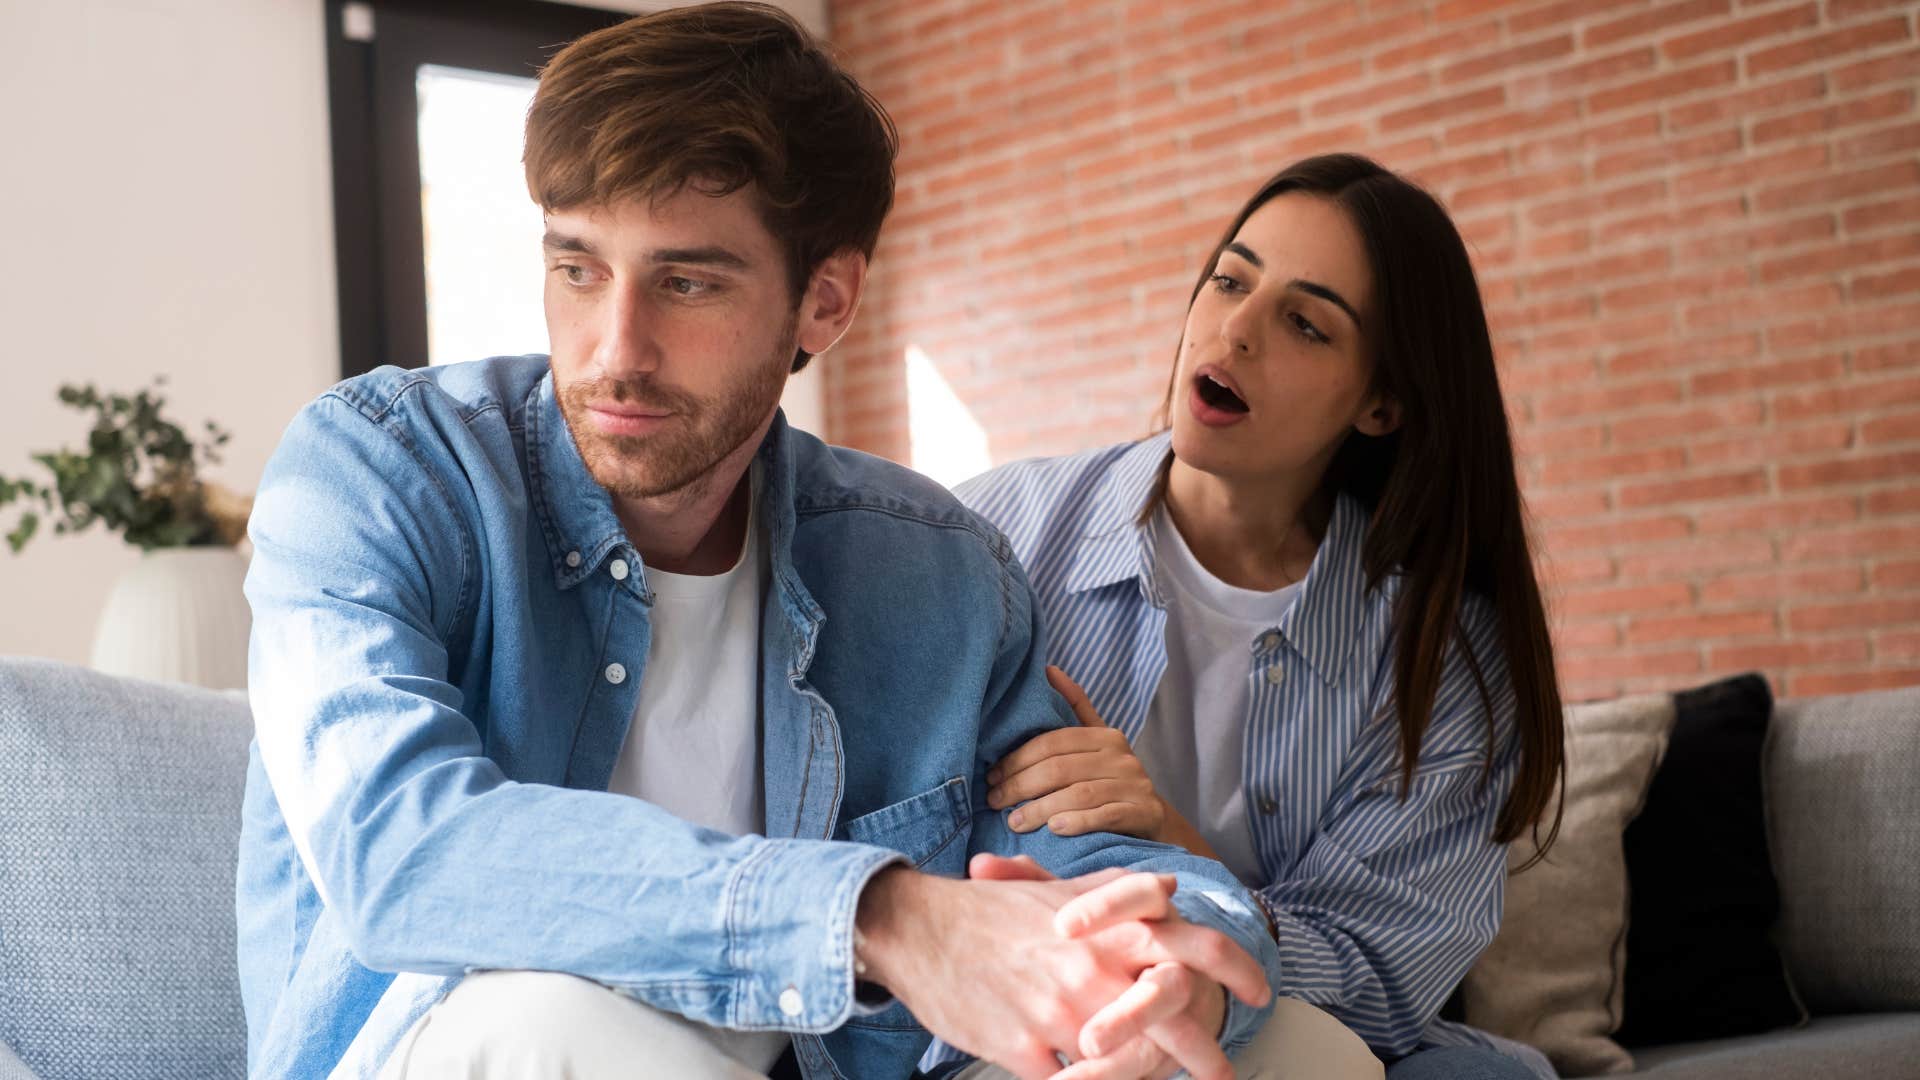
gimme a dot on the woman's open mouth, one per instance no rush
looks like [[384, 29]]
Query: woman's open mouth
[[1218, 394], [1214, 401]]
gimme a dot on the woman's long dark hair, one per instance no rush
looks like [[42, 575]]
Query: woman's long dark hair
[[1444, 499]]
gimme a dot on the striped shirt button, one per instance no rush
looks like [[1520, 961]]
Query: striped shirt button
[[1276, 675], [1267, 805], [1270, 640], [616, 673]]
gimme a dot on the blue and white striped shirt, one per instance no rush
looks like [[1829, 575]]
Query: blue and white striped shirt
[[1381, 904]]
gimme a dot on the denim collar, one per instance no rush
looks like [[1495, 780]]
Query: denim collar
[[577, 517], [1322, 624]]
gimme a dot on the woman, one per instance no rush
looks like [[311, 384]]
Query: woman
[[1306, 617]]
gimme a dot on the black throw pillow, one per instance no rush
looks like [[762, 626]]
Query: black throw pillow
[[1700, 964]]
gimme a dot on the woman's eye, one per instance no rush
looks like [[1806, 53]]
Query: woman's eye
[[1307, 329], [1225, 283]]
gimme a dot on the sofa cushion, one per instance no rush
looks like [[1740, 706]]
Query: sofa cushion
[[1700, 962], [1844, 811], [1863, 1047], [1553, 976], [119, 819]]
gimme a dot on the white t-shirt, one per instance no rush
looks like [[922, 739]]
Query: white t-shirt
[[1194, 741], [693, 748]]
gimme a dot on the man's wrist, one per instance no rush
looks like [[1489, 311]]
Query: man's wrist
[[880, 923]]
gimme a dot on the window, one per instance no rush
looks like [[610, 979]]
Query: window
[[437, 242]]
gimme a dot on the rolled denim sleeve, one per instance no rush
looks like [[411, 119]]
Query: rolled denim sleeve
[[431, 858], [1021, 705]]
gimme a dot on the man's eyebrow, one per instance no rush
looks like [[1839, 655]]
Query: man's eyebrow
[[555, 241], [1311, 288], [711, 255]]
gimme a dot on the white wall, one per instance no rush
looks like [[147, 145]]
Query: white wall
[[168, 211]]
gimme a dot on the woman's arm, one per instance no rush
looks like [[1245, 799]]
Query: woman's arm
[[1087, 779]]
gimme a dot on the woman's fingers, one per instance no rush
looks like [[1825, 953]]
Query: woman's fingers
[[1135, 896], [1134, 812], [1045, 777], [1125, 818], [1048, 744], [1077, 698]]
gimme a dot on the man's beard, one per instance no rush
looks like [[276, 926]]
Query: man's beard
[[695, 439]]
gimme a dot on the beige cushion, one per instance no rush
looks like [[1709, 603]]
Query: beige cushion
[[1553, 976]]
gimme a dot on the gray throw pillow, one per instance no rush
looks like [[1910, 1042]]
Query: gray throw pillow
[[119, 816]]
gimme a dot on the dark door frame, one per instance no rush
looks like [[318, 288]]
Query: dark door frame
[[373, 112]]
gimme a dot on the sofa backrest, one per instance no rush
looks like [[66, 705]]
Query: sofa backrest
[[1843, 808], [119, 819]]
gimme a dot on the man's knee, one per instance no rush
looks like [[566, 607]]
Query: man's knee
[[502, 1020]]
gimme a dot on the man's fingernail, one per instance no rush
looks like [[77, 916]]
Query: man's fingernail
[[1016, 819]]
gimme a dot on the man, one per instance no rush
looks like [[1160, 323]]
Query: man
[[607, 726]]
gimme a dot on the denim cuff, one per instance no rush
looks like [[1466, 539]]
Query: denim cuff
[[790, 911], [1204, 903]]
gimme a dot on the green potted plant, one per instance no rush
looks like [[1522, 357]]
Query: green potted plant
[[178, 614]]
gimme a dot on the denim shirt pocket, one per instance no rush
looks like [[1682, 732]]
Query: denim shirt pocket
[[923, 828], [930, 828]]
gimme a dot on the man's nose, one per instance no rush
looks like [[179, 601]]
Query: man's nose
[[627, 343]]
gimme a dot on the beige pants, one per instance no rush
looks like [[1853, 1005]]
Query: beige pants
[[514, 1025]]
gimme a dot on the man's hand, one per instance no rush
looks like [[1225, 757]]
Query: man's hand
[[985, 966], [1171, 1017]]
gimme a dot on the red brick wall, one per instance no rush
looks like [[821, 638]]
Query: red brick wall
[[1697, 226]]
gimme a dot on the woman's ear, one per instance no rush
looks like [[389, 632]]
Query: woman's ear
[[1382, 417]]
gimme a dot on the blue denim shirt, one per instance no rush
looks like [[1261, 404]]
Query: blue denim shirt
[[438, 710]]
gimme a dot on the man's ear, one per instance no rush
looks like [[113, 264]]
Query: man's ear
[[832, 296], [1382, 417]]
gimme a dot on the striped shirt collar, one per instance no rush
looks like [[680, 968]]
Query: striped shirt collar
[[1322, 625]]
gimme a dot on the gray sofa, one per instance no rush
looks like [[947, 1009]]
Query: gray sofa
[[120, 805]]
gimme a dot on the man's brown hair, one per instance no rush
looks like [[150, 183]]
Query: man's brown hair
[[721, 96]]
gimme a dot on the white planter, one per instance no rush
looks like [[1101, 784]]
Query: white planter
[[178, 616]]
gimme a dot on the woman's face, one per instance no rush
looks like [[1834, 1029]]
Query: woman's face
[[1273, 371]]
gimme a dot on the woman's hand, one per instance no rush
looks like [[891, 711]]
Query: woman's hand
[[1079, 779]]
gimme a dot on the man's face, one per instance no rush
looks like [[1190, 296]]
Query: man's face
[[673, 329]]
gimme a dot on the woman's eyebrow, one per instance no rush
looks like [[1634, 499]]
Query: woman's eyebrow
[[1311, 288]]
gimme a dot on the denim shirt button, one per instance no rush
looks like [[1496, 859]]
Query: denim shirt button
[[790, 1003], [618, 569], [573, 558], [616, 673]]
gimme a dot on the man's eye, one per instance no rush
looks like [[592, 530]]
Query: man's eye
[[575, 275], [686, 286]]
